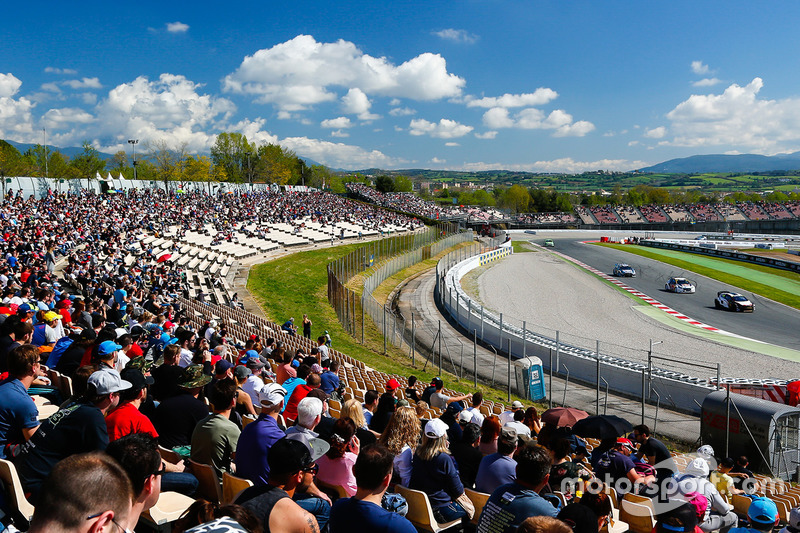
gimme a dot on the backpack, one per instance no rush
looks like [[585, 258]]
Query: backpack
[[39, 336]]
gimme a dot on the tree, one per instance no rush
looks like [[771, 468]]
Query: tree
[[403, 184], [516, 198], [483, 198], [230, 152], [197, 169], [10, 160], [275, 164], [88, 163], [118, 162], [384, 184], [164, 159]]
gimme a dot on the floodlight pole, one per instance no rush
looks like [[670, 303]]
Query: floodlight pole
[[134, 142]]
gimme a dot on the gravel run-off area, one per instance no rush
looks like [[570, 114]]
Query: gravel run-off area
[[552, 295]]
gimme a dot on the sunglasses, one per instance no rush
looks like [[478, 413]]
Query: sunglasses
[[124, 530], [313, 469], [161, 471]]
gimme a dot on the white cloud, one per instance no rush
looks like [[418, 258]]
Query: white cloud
[[444, 129], [437, 161], [452, 144], [535, 119], [633, 143], [66, 116], [339, 133], [334, 123], [299, 73], [402, 112], [356, 102], [89, 98], [457, 36], [699, 68], [83, 83], [566, 165], [338, 155], [177, 27], [707, 82], [540, 96], [486, 135], [54, 70], [51, 87], [15, 113], [655, 133], [737, 119]]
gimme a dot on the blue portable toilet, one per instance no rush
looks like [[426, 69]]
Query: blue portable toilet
[[533, 375]]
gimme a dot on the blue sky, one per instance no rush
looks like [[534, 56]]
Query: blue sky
[[463, 85]]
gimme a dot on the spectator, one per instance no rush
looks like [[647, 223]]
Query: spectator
[[722, 480], [517, 424], [285, 369], [176, 416], [329, 378], [336, 466], [167, 375], [127, 418], [322, 348], [205, 517], [300, 392], [103, 502], [289, 327], [137, 454], [363, 512], [78, 428], [531, 419], [743, 478], [762, 515], [498, 468], [477, 416], [244, 403], [214, 439], [508, 416], [70, 360], [511, 504], [434, 472], [401, 437], [600, 504], [412, 394], [467, 455], [579, 518], [258, 437], [616, 468], [309, 414], [19, 417], [253, 383], [302, 373], [544, 524], [430, 389], [490, 431], [354, 410], [654, 451], [564, 474], [719, 514], [793, 526], [440, 400], [384, 411], [307, 326], [290, 465]]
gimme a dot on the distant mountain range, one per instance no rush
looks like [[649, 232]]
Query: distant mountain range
[[726, 163]]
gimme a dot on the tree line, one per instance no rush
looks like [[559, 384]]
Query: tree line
[[232, 159]]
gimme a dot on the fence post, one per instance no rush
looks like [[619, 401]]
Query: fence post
[[362, 319], [384, 329], [597, 392], [475, 355], [440, 347], [644, 380], [509, 369], [550, 387], [413, 340], [482, 339]]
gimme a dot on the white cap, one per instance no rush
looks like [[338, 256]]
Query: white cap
[[435, 429], [465, 416], [697, 468], [705, 451], [516, 404], [271, 394], [107, 381]]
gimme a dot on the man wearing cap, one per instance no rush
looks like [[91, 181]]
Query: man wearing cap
[[441, 400], [80, 427], [108, 353], [616, 468], [719, 514], [214, 439], [290, 464], [176, 416], [794, 522], [510, 504], [498, 468], [253, 383], [126, 418], [508, 416], [257, 437], [363, 512], [763, 517]]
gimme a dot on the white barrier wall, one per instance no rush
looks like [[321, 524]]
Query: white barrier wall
[[676, 391]]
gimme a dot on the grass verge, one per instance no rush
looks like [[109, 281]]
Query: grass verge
[[720, 273]]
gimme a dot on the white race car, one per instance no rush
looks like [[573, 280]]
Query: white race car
[[624, 270], [733, 301], [681, 285]]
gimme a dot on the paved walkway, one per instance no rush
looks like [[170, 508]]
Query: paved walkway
[[416, 296]]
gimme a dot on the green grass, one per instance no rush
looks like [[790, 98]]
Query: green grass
[[520, 247], [292, 285], [719, 271]]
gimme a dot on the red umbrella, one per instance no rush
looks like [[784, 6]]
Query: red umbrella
[[563, 416], [164, 258]]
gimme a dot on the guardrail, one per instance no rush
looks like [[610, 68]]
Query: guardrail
[[727, 254]]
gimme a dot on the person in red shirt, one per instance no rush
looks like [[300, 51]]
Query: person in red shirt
[[313, 381], [126, 418]]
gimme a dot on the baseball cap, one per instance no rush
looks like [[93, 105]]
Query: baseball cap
[[288, 456], [271, 394], [107, 381], [435, 429], [508, 434], [251, 353], [680, 518], [135, 377], [392, 384], [706, 451], [25, 308], [316, 447], [454, 407], [222, 366], [436, 381], [108, 347], [763, 511], [579, 518], [794, 518], [241, 372], [698, 467], [51, 315], [465, 417], [254, 363], [516, 404], [626, 443], [87, 334]]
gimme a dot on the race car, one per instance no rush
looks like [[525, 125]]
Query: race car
[[681, 285], [733, 301], [624, 270], [548, 243]]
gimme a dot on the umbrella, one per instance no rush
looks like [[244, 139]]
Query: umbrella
[[602, 427], [563, 416], [164, 258]]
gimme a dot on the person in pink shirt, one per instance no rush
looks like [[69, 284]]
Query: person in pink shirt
[[336, 466]]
